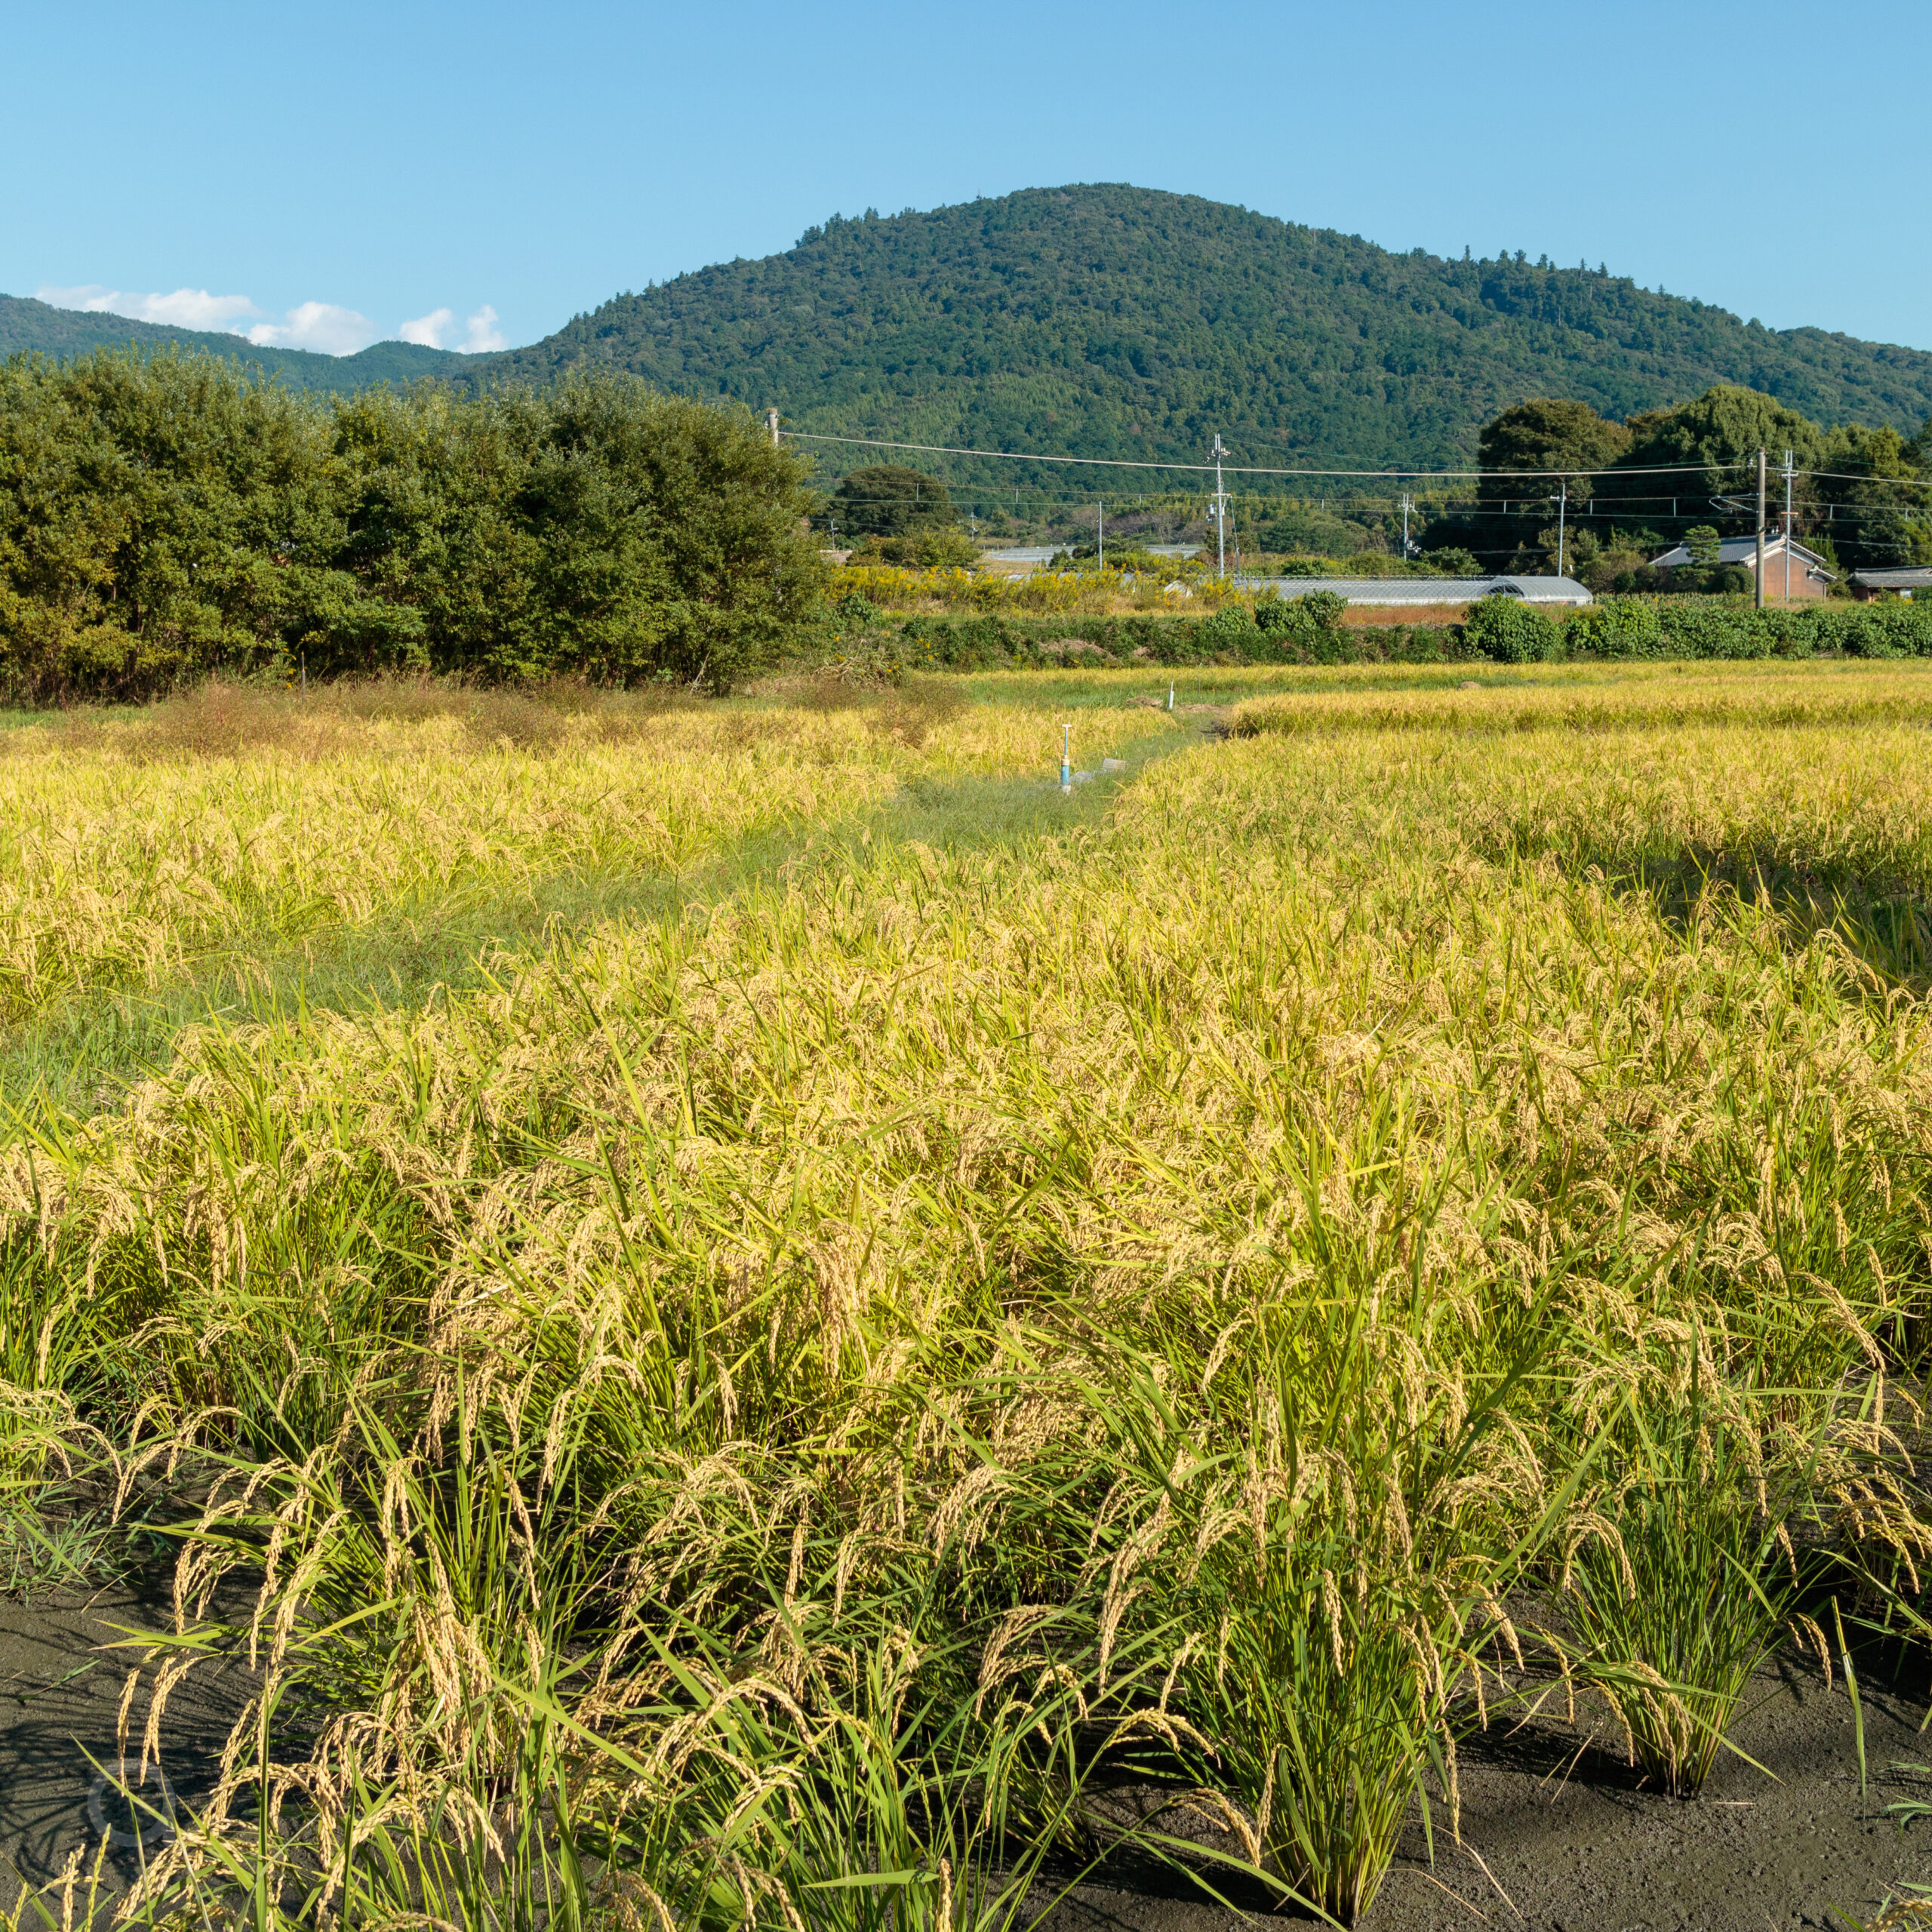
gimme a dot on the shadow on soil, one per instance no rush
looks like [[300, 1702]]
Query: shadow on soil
[[65, 1659], [1558, 1833]]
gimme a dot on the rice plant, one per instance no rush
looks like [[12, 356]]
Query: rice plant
[[1333, 1536], [1683, 1575], [768, 1404]]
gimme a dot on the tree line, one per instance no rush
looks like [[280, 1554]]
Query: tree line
[[1634, 488], [1631, 490], [162, 519]]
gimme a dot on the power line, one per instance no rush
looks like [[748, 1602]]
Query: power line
[[1519, 508], [1208, 469], [1850, 476]]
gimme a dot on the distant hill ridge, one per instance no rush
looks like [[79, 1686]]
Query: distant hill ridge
[[1112, 321], [26, 323], [1121, 322]]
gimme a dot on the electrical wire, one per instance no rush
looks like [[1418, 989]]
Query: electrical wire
[[1849, 476], [1234, 469]]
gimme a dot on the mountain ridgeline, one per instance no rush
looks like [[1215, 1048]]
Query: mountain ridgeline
[[1111, 320], [29, 325]]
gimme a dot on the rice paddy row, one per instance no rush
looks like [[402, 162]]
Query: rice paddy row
[[757, 1406]]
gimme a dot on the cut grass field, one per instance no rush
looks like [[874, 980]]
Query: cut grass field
[[749, 1315]]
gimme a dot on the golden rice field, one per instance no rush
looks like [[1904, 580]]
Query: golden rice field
[[839, 1340]]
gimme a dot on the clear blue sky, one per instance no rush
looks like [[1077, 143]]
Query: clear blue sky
[[327, 175]]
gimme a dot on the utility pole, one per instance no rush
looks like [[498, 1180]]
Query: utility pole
[[1405, 526], [1562, 517], [1100, 525], [1760, 598], [1787, 526], [771, 417], [1220, 507]]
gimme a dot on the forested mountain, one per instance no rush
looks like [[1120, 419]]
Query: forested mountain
[[1115, 320], [1120, 321], [25, 323]]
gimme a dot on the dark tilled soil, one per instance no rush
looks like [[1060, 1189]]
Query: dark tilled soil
[[1558, 1834], [1573, 1843], [64, 1662]]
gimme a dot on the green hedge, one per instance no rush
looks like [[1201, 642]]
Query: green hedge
[[1308, 630], [1650, 627], [1301, 630], [165, 519], [1509, 631]]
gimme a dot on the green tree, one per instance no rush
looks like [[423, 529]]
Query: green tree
[[1702, 540], [1866, 501], [920, 549], [1549, 434], [888, 499], [1680, 460], [1725, 427], [159, 520], [1695, 466], [1530, 454], [1312, 533]]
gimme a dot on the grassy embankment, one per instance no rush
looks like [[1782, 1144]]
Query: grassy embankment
[[888, 1294]]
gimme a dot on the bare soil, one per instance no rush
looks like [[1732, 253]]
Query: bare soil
[[1559, 1834], [65, 1660]]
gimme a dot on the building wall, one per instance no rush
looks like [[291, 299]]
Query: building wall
[[1803, 585]]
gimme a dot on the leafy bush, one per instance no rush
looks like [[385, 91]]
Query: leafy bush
[[1883, 629], [976, 644], [1306, 628], [1620, 627], [1231, 628], [920, 549], [162, 520], [1715, 630], [1511, 632]]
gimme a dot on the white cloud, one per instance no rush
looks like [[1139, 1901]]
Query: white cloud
[[317, 325], [185, 308], [427, 331], [323, 326], [480, 334]]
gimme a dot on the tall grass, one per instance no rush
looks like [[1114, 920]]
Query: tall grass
[[228, 849], [1685, 1575], [854, 1407]]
